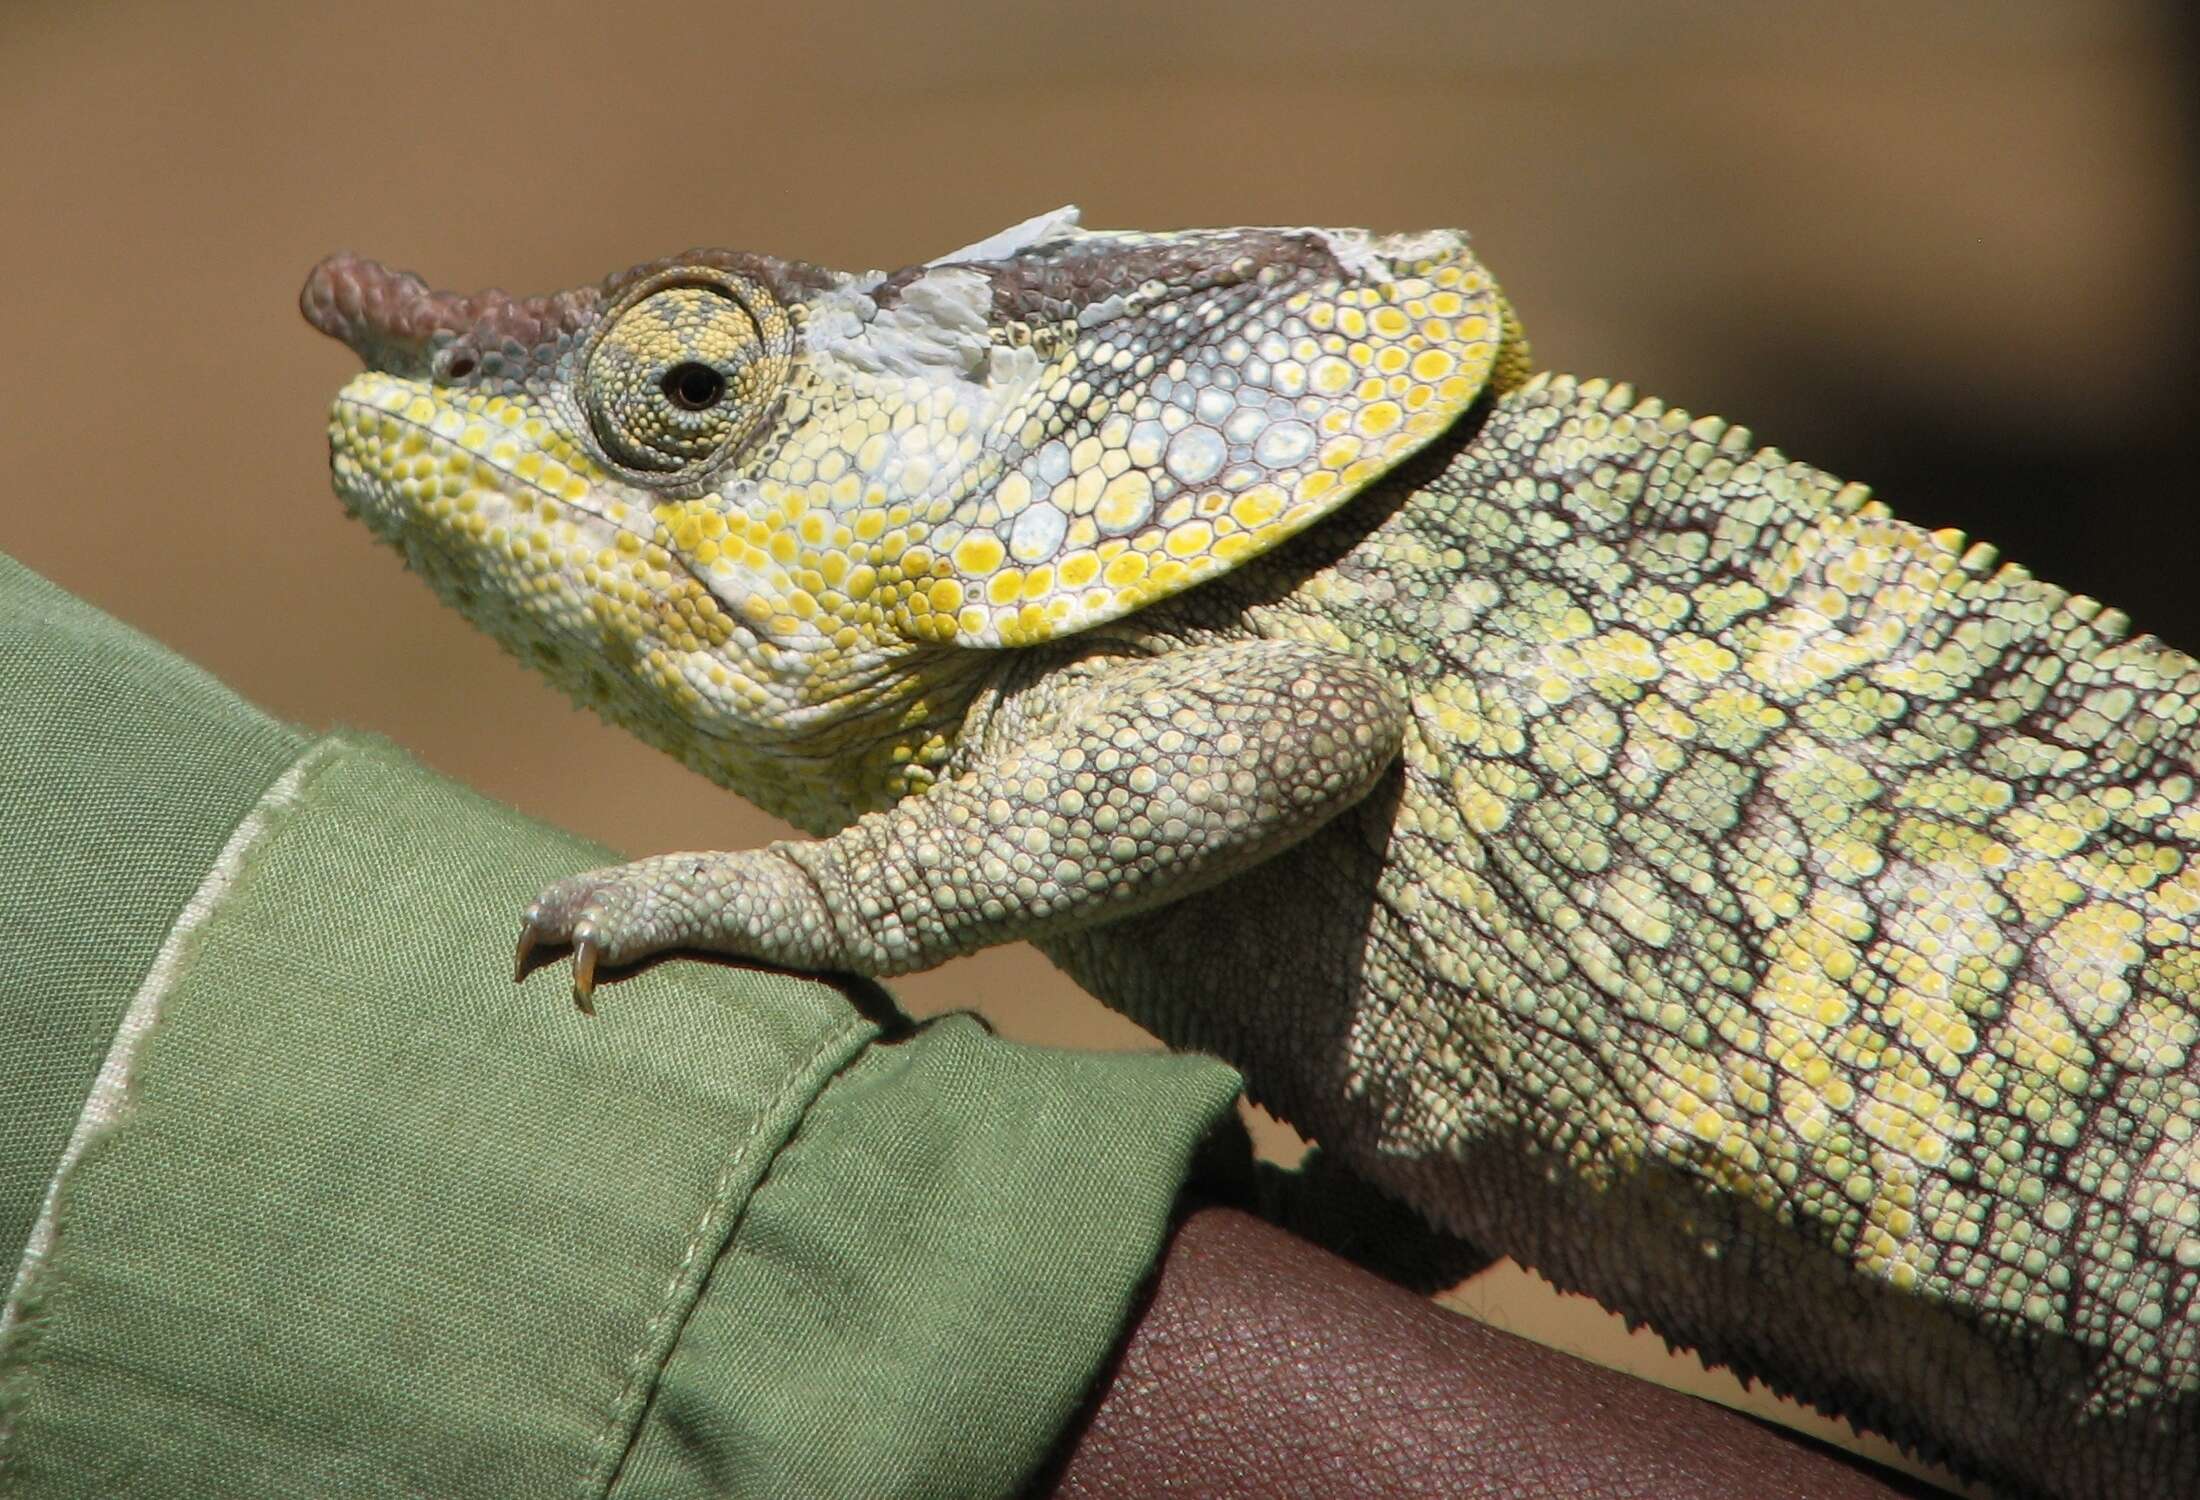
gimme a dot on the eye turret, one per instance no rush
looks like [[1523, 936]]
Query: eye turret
[[683, 373]]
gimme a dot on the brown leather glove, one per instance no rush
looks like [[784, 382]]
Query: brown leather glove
[[1263, 1365]]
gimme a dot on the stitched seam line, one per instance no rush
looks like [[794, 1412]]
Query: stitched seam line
[[111, 1086], [716, 1227]]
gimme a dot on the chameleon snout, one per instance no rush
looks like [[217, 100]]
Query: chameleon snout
[[388, 318], [397, 323]]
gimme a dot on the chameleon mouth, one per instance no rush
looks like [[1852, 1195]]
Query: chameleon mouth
[[523, 533], [405, 455], [504, 518]]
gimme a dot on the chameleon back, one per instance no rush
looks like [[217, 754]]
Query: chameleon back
[[1782, 927]]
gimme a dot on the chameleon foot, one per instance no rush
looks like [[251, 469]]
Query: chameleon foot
[[609, 916]]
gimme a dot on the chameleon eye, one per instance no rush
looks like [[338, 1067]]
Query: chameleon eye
[[693, 386], [676, 380]]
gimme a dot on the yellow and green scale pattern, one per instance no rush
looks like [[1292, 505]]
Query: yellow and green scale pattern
[[1095, 464], [1766, 915]]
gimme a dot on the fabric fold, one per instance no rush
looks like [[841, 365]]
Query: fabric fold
[[368, 1218]]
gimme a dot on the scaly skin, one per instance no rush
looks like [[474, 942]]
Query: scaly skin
[[1637, 851]]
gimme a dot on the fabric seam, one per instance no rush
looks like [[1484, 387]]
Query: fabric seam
[[719, 1222], [104, 1104]]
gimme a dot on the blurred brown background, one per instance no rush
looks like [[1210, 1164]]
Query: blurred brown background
[[1945, 248]]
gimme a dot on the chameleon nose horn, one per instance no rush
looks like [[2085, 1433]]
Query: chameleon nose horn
[[387, 317], [394, 320]]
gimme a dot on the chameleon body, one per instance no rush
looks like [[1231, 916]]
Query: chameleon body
[[1638, 851]]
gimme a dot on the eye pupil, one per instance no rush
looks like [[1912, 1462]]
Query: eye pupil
[[693, 386]]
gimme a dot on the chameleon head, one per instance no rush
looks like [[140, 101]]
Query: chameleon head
[[756, 509], [544, 462]]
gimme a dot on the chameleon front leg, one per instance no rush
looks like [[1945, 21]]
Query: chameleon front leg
[[1113, 789]]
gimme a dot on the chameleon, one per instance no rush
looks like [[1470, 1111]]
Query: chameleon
[[1639, 852]]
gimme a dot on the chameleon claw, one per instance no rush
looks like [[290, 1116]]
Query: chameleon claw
[[585, 949]]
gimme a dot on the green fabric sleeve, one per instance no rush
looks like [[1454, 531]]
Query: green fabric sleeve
[[341, 1210], [107, 830]]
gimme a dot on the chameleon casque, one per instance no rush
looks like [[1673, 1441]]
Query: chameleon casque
[[1638, 851]]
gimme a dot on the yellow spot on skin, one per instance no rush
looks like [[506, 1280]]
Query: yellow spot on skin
[[1378, 419], [1330, 375], [1700, 658], [979, 554], [1125, 501], [1431, 365], [1485, 812], [1257, 506], [1126, 570], [1191, 539]]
